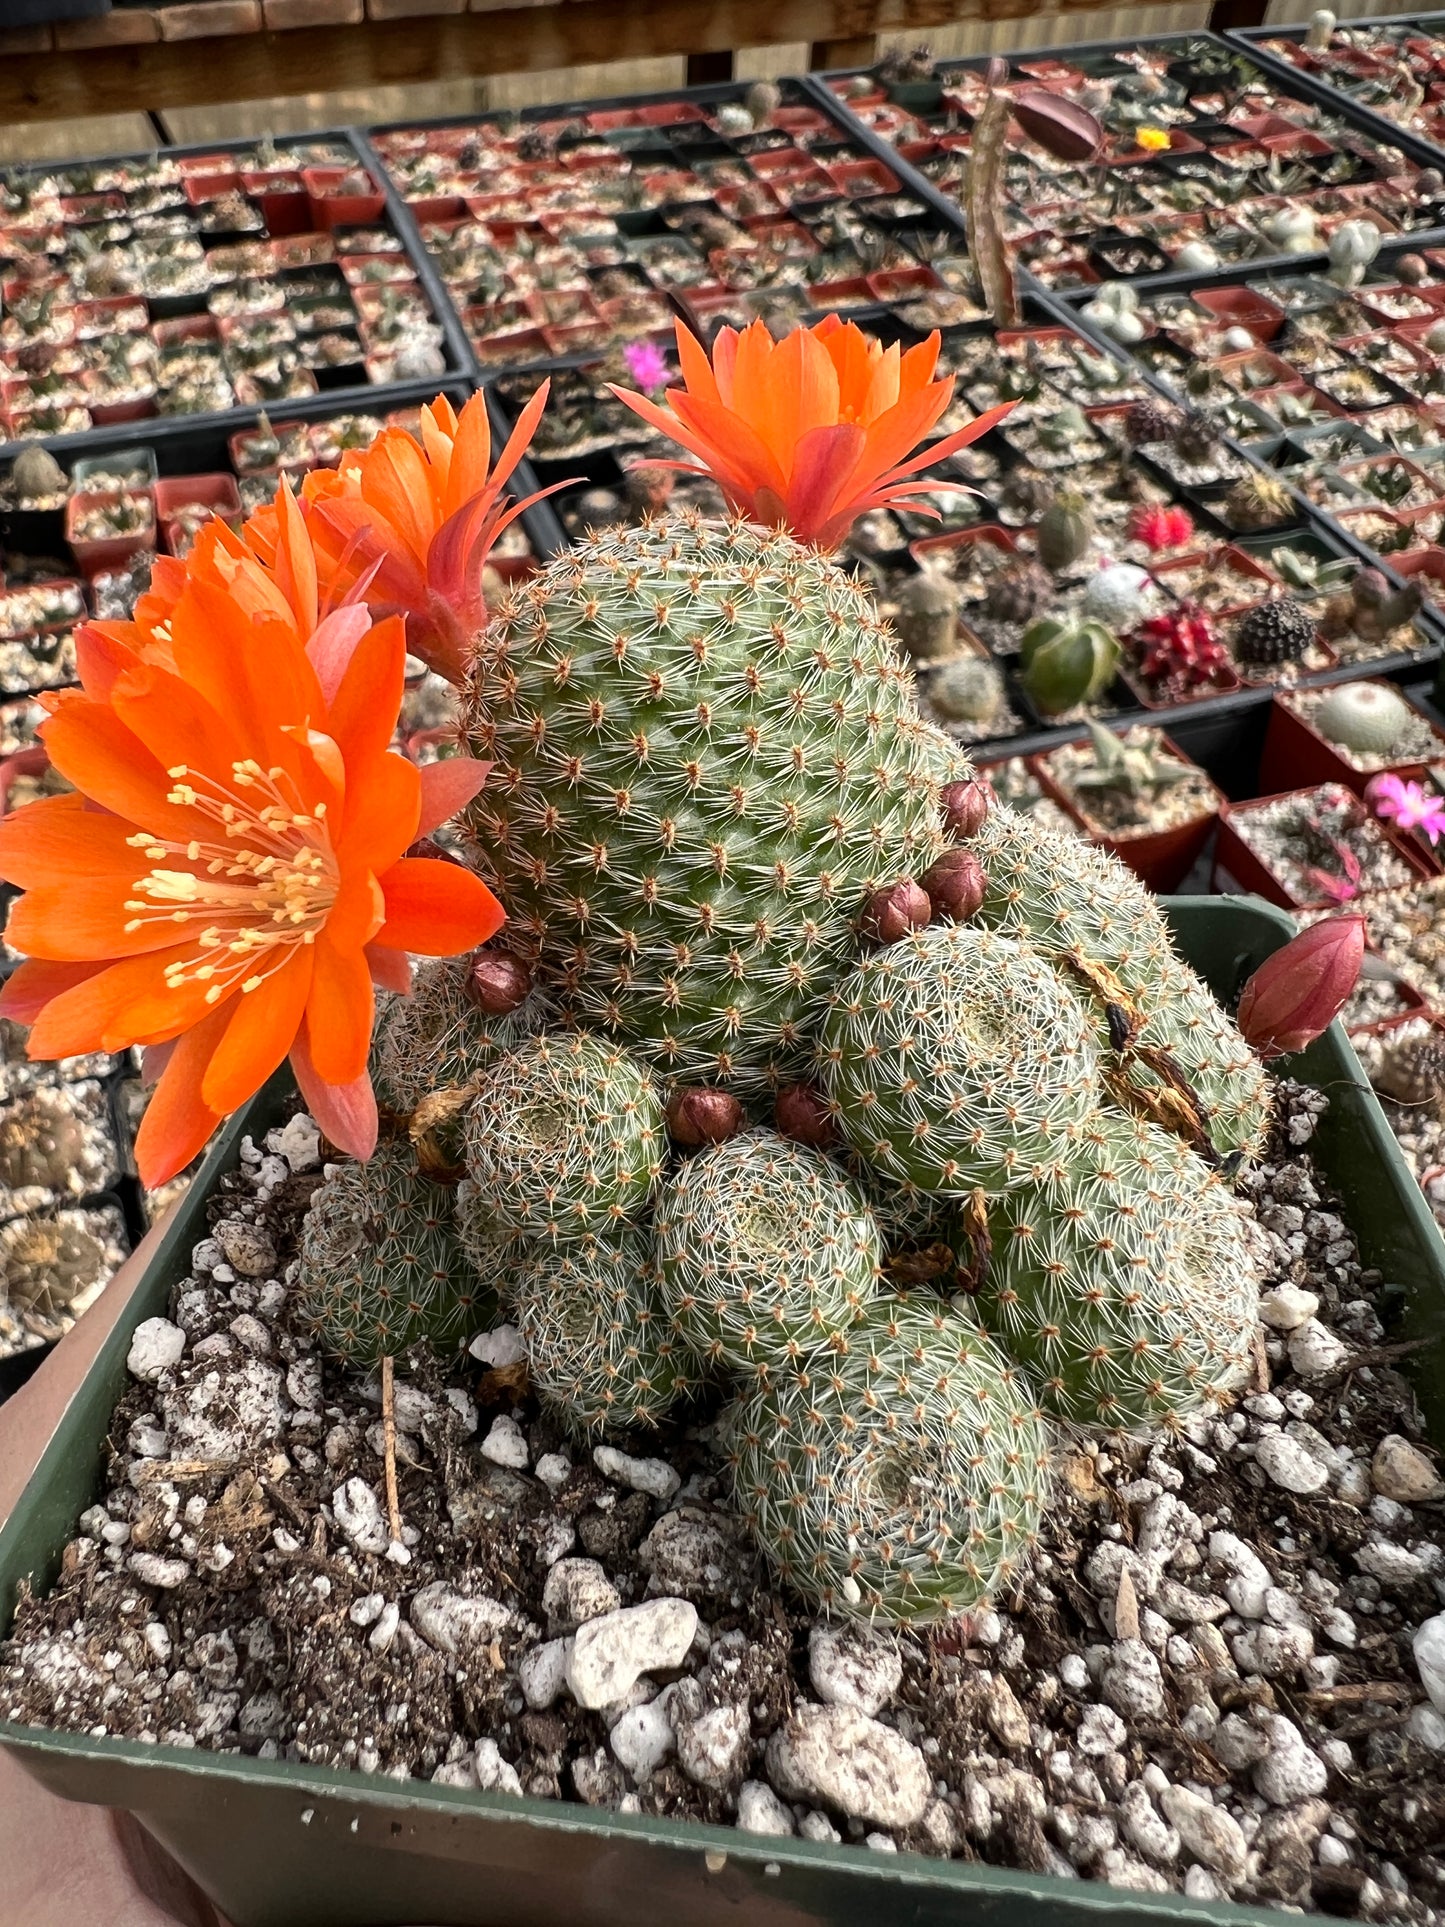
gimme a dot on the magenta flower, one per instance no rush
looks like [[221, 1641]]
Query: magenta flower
[[647, 365], [1409, 806]]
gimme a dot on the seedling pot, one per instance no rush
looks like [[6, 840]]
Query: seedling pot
[[281, 1845], [1297, 757]]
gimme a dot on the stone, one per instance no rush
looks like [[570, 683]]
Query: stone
[[542, 1673], [1392, 1565], [461, 1625], [761, 1811], [156, 1344], [1132, 1682], [643, 1737], [1401, 1471], [1290, 1771], [838, 1757], [857, 1666], [359, 1516], [1207, 1833], [1145, 1829], [1286, 1463], [1288, 1307], [226, 1410], [1007, 1720], [1427, 1728], [1315, 1351], [1100, 1731], [506, 1444], [248, 1248], [153, 1570], [554, 1539], [1428, 1646], [554, 1469], [298, 1140], [1237, 1742], [494, 1774], [611, 1653], [577, 1590], [690, 1553], [813, 1825], [652, 1476], [498, 1348], [1273, 1652], [712, 1749]]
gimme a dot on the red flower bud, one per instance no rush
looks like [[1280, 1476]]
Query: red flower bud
[[1296, 994], [497, 983], [802, 1114], [1061, 127], [955, 885], [890, 914], [966, 806], [700, 1114]]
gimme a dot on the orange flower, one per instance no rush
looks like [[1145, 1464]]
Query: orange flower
[[409, 527], [812, 431], [231, 875]]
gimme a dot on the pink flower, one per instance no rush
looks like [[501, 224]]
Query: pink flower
[[1296, 994], [647, 365], [1409, 806]]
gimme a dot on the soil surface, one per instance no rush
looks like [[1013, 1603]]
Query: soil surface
[[1206, 1683]]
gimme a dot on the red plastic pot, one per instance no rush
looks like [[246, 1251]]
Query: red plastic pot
[[330, 207], [1240, 308], [1159, 858], [991, 534], [1235, 862], [97, 555], [1297, 757], [217, 492]]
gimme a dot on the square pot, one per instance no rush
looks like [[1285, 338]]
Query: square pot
[[1161, 858], [275, 1844], [1236, 860], [98, 554], [1296, 756]]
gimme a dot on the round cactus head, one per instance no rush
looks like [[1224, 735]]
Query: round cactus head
[[767, 1251], [1124, 1286], [565, 1138], [440, 1038], [902, 1478], [381, 1269], [706, 755], [600, 1349], [958, 1059]]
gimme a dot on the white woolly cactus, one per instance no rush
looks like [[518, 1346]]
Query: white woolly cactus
[[767, 1252], [601, 1349], [564, 1139], [958, 1059], [1124, 1286], [901, 1478]]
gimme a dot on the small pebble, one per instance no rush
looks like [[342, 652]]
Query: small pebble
[[506, 1444]]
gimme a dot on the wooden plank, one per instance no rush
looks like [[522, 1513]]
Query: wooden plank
[[513, 38]]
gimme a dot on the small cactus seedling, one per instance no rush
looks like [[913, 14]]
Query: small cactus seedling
[[1063, 535], [565, 1138], [1412, 1071], [1135, 765], [767, 1252], [1179, 651], [927, 618], [970, 689], [1367, 718], [1066, 662], [600, 1348], [901, 1479], [957, 1060]]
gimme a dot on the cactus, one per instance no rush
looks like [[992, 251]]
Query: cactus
[[1367, 718], [47, 1263], [706, 755], [1017, 592], [44, 1145], [1063, 534], [1124, 1285], [1093, 917], [957, 1059], [1259, 501], [1065, 662], [968, 690], [440, 1039], [1412, 1071], [381, 1269], [1133, 764], [599, 1349], [36, 476], [1117, 595], [565, 1138], [927, 619], [767, 1252], [900, 1479]]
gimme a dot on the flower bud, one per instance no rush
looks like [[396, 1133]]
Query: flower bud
[[966, 806], [1296, 994], [890, 914], [802, 1114], [1061, 127], [700, 1114], [497, 983], [955, 886]]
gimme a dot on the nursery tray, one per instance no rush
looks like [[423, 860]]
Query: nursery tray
[[1251, 39], [282, 1845]]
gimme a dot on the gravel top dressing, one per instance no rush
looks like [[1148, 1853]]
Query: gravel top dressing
[[1210, 1681]]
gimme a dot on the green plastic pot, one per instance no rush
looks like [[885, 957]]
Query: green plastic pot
[[277, 1845]]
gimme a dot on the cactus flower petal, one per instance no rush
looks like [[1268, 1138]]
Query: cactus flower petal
[[1296, 994]]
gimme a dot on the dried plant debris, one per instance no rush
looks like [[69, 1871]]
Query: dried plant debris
[[1205, 1685]]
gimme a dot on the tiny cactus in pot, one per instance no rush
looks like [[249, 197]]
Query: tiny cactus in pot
[[1065, 663]]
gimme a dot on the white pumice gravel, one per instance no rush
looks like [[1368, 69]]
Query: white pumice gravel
[[1176, 1700]]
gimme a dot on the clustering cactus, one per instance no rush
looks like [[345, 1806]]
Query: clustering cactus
[[814, 1025], [381, 1269], [902, 1478], [564, 1139], [767, 1251]]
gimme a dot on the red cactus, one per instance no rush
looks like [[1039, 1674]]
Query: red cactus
[[1161, 528], [1179, 650]]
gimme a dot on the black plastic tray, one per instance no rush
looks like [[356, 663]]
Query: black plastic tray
[[1252, 39]]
